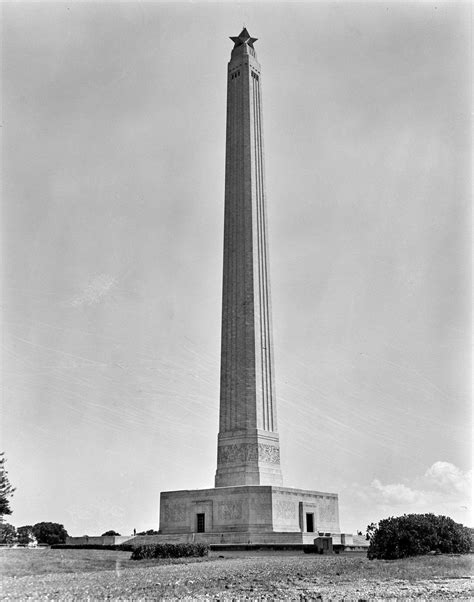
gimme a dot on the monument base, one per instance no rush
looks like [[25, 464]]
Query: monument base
[[248, 514]]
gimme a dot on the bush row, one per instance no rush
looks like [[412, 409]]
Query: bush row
[[170, 550]]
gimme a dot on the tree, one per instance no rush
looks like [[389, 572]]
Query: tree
[[7, 534], [25, 535], [6, 490], [416, 534], [50, 533], [369, 533], [110, 533], [149, 532]]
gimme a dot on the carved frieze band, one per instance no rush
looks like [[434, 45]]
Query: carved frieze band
[[238, 453], [268, 453]]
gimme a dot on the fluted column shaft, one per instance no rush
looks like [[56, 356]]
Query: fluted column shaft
[[248, 443]]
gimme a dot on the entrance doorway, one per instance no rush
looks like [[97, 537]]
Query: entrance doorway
[[201, 522], [310, 522]]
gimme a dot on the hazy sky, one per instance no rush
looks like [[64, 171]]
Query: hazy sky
[[112, 233]]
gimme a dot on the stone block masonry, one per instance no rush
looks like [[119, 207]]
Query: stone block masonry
[[248, 514]]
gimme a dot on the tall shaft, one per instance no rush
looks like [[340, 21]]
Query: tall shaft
[[248, 443]]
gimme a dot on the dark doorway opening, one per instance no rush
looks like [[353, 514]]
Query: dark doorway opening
[[201, 523], [310, 522]]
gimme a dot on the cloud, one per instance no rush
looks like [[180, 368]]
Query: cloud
[[396, 493], [448, 478], [442, 489], [95, 291], [442, 481]]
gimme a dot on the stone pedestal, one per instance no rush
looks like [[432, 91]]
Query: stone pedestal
[[248, 458], [247, 514]]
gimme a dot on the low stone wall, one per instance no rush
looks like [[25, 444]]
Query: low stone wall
[[107, 540], [224, 538], [236, 538], [232, 541]]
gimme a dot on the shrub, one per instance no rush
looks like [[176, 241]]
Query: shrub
[[170, 550], [416, 534], [110, 534]]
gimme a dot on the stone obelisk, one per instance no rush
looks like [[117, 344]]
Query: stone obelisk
[[248, 502], [248, 443]]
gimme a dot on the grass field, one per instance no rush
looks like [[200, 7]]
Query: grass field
[[96, 574]]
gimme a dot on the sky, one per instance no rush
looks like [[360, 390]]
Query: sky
[[113, 159]]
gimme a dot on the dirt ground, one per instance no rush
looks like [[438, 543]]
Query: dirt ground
[[229, 576]]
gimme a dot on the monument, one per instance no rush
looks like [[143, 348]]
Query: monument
[[249, 503]]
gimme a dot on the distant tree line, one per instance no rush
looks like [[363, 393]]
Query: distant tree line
[[114, 533], [45, 533], [110, 534], [42, 533]]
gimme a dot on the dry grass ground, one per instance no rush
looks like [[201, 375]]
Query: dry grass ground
[[94, 574]]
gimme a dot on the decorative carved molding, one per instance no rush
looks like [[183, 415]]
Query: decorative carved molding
[[232, 454], [268, 453], [240, 453]]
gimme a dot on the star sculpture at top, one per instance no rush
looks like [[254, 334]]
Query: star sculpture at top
[[244, 38]]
